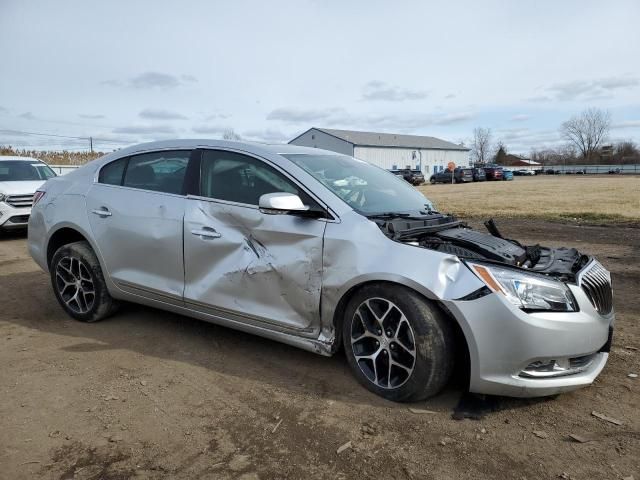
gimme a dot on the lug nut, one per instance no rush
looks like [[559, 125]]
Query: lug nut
[[389, 333], [384, 352], [393, 346]]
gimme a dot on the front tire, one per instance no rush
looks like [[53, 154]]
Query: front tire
[[78, 283], [398, 344]]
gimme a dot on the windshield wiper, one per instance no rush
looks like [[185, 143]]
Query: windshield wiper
[[390, 215]]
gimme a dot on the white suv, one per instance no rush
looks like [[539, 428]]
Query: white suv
[[20, 177]]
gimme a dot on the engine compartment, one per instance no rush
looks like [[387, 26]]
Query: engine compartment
[[446, 234]]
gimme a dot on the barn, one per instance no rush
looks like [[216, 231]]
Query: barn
[[387, 150]]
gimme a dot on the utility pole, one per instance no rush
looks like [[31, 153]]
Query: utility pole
[[91, 144]]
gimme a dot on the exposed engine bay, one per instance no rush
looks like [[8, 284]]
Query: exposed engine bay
[[446, 234]]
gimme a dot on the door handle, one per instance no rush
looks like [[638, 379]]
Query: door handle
[[102, 212], [206, 232]]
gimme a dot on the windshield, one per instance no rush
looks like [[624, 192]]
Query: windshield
[[365, 188], [21, 170]]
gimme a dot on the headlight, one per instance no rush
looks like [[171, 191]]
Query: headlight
[[528, 291]]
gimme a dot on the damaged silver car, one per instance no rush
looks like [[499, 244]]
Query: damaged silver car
[[322, 251]]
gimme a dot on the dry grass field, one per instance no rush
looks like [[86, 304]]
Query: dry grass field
[[566, 198]]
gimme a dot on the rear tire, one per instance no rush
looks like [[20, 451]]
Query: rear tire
[[398, 344], [78, 283]]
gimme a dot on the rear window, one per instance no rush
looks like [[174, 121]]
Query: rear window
[[157, 171]]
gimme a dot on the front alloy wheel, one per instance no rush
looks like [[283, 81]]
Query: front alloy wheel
[[398, 344], [383, 343]]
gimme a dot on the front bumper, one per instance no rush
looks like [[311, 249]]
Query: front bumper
[[504, 341], [12, 217]]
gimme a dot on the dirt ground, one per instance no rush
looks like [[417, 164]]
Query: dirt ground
[[149, 394]]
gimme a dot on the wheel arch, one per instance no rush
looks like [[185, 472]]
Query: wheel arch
[[66, 233], [462, 345]]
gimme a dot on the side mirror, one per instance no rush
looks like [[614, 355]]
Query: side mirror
[[281, 203]]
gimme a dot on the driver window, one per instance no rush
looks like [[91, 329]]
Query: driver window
[[239, 178]]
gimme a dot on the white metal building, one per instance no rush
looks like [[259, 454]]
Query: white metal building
[[387, 150]]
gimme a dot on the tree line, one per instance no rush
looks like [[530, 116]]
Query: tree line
[[585, 142]]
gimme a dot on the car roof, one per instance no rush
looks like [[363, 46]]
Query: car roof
[[254, 147]]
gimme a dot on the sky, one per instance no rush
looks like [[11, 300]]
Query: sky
[[125, 72]]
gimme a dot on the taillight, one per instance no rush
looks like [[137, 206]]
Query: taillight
[[37, 196]]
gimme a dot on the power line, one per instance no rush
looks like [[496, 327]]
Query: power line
[[89, 139], [40, 134]]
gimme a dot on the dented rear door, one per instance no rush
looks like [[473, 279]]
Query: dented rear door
[[246, 265]]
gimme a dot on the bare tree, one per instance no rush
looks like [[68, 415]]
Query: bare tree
[[587, 131], [481, 144], [230, 134]]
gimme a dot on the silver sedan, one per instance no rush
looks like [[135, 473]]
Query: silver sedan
[[322, 251]]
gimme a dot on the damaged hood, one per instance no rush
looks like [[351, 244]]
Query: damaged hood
[[446, 234]]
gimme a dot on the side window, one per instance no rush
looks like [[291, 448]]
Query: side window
[[111, 173], [238, 178], [157, 171]]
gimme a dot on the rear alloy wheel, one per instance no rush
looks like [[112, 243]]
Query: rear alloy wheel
[[398, 344], [78, 283]]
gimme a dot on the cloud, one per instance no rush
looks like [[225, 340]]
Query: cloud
[[539, 99], [520, 117], [150, 80], [89, 116], [3, 110], [597, 89], [216, 116], [626, 124], [144, 130], [452, 118], [28, 116], [158, 114], [268, 135], [293, 115], [450, 96], [380, 91], [155, 79], [522, 139], [210, 129], [340, 118]]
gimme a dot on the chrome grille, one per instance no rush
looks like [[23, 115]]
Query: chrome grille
[[595, 280], [20, 201]]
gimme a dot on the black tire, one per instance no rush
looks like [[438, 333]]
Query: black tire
[[434, 345], [75, 269], [432, 180]]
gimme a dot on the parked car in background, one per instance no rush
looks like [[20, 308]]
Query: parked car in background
[[323, 252], [478, 174], [614, 171], [459, 175], [414, 177], [20, 177], [493, 172], [524, 172], [507, 174]]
